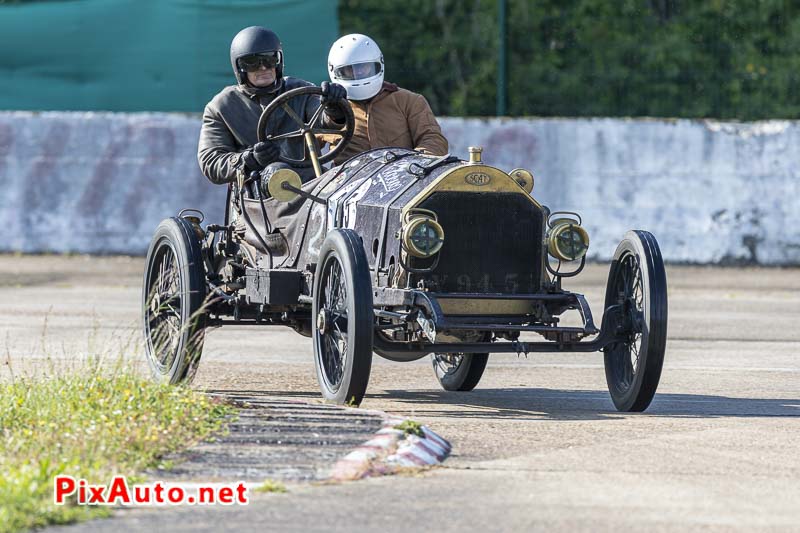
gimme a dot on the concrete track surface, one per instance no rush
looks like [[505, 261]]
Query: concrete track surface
[[537, 446]]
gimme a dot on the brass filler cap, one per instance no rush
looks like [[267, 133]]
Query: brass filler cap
[[475, 154]]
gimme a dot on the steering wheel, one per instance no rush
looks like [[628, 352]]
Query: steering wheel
[[307, 130]]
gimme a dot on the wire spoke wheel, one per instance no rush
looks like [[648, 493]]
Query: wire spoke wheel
[[172, 299], [637, 294], [333, 306], [162, 308], [628, 286], [447, 363], [459, 371], [342, 305]]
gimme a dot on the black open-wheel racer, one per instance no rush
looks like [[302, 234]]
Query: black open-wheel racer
[[403, 255]]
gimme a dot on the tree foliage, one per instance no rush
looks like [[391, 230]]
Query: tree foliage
[[666, 58]]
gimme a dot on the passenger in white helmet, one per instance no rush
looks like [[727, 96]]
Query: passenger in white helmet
[[385, 114]]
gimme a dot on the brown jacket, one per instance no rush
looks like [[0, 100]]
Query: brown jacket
[[394, 117]]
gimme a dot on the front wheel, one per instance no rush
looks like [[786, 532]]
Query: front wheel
[[173, 293], [637, 284], [459, 371], [342, 308]]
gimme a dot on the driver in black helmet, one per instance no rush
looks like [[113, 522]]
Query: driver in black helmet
[[228, 137]]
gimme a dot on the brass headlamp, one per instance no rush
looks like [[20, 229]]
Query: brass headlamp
[[567, 240], [421, 234]]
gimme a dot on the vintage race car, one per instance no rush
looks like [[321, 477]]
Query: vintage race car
[[402, 255]]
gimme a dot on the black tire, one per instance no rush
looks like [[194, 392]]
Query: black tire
[[459, 371], [344, 319], [173, 294], [637, 281]]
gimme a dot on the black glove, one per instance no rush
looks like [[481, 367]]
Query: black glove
[[332, 92], [261, 155]]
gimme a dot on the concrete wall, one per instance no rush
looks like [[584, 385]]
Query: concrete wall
[[711, 192], [97, 182]]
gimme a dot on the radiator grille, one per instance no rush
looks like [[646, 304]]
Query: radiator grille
[[493, 243]]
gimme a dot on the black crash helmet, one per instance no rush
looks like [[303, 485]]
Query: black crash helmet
[[255, 40]]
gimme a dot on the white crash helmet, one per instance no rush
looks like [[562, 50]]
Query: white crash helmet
[[356, 63]]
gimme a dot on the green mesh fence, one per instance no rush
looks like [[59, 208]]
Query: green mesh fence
[[146, 55]]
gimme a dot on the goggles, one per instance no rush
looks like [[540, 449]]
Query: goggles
[[254, 62], [359, 71]]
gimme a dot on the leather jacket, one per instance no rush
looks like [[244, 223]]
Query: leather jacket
[[230, 121]]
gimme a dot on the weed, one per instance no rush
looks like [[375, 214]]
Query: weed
[[410, 427], [351, 402], [270, 485]]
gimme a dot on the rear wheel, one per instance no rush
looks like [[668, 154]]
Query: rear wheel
[[173, 293], [637, 283], [344, 319], [459, 371]]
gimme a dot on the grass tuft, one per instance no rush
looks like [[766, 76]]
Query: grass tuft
[[351, 402], [270, 485], [93, 426], [410, 427]]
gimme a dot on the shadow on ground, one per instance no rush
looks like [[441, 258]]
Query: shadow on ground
[[590, 405], [556, 404]]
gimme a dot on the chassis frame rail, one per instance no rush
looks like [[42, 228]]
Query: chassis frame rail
[[568, 341]]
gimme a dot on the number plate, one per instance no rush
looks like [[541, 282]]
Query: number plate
[[477, 178]]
